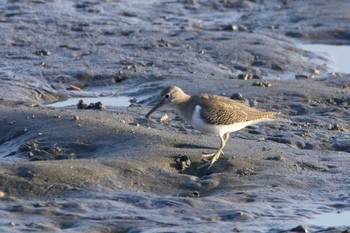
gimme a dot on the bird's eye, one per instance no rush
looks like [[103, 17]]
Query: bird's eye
[[167, 95]]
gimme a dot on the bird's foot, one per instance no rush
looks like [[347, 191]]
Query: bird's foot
[[205, 157], [213, 160]]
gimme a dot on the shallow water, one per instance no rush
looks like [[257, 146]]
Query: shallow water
[[337, 219], [339, 55]]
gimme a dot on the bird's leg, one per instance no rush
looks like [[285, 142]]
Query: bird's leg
[[206, 156], [217, 154]]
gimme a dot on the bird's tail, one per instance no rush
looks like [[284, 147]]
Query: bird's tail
[[278, 118]]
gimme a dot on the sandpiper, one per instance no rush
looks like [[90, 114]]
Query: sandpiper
[[213, 114]]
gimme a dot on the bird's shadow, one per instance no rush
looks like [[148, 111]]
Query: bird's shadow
[[194, 166], [193, 146]]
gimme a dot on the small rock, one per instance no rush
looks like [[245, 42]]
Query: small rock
[[245, 76], [29, 146], [77, 118], [262, 84], [133, 100], [334, 127], [194, 194], [231, 27], [72, 156], [120, 76], [237, 96], [276, 66], [81, 105], [182, 162], [188, 46], [316, 71], [164, 118], [73, 88], [12, 224], [301, 76], [99, 105], [336, 74], [244, 171], [42, 52], [276, 158], [300, 229]]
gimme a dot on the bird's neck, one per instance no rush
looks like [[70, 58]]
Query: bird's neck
[[181, 99], [182, 107]]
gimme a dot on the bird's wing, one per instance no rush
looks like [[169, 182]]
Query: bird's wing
[[224, 111]]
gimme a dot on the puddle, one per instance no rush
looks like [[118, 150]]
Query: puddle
[[332, 219], [119, 101], [339, 55]]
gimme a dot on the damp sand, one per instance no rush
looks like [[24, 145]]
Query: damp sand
[[112, 170]]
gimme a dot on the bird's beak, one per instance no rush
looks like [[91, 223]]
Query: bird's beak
[[155, 108]]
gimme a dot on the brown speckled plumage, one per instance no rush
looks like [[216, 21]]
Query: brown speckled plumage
[[219, 110]]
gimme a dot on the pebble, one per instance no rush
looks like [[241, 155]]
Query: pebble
[[164, 118], [300, 229], [134, 124], [303, 76], [42, 52], [244, 171], [77, 118], [245, 76], [237, 96], [262, 84], [73, 88], [182, 162], [334, 127], [2, 194], [133, 100], [120, 76]]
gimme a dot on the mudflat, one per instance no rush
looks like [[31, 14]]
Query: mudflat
[[113, 170]]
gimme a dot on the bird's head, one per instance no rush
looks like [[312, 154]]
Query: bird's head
[[170, 95]]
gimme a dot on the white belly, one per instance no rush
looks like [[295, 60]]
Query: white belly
[[202, 126]]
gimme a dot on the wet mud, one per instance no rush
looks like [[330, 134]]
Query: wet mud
[[112, 170]]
